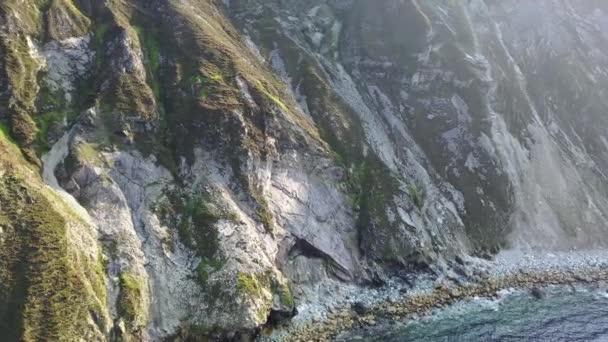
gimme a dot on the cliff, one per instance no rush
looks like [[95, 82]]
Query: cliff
[[172, 169]]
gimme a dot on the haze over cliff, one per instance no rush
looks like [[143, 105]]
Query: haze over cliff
[[187, 168]]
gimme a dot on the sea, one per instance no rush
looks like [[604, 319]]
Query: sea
[[560, 314]]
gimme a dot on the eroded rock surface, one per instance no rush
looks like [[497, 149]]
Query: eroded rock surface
[[222, 164]]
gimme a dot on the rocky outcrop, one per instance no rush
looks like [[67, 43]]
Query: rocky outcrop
[[219, 164], [450, 100]]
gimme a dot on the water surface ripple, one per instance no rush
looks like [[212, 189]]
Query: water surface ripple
[[560, 316]]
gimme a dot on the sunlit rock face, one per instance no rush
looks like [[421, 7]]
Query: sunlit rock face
[[500, 102], [236, 160], [559, 65], [545, 72]]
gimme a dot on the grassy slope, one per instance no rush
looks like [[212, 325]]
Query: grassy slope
[[47, 290]]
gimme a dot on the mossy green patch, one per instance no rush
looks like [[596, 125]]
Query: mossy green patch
[[89, 153], [22, 70], [250, 285], [29, 13], [195, 217], [205, 84], [275, 99], [196, 229], [100, 269], [417, 194], [266, 217], [99, 34], [42, 292], [198, 85], [5, 134], [132, 97], [217, 77], [44, 122], [150, 46], [378, 189], [65, 20], [283, 291], [263, 210], [130, 299], [206, 267]]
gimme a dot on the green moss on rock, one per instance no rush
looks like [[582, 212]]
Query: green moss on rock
[[195, 216], [196, 227], [43, 294], [263, 211], [149, 42], [206, 267], [132, 97], [44, 122], [274, 98], [64, 20], [27, 14], [417, 195], [378, 189], [283, 291], [22, 71], [130, 299], [250, 285], [89, 153]]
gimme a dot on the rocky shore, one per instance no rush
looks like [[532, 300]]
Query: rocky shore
[[509, 271]]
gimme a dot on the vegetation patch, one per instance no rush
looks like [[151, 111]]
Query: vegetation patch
[[64, 20], [99, 34], [22, 70], [130, 299], [5, 134], [417, 195], [44, 123], [89, 153], [29, 13], [284, 293], [263, 211], [55, 112], [42, 295], [206, 267], [198, 86], [378, 190], [275, 99], [250, 285], [196, 228], [132, 97], [195, 217], [100, 269], [150, 46]]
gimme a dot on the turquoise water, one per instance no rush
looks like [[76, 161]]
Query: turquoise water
[[560, 316]]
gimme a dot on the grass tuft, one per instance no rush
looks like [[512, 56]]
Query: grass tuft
[[130, 303]]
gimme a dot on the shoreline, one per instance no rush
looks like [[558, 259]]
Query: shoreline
[[510, 270]]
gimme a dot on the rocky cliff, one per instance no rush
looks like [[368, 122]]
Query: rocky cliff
[[181, 169]]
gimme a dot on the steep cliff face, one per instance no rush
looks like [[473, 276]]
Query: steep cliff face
[[481, 105], [198, 168]]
